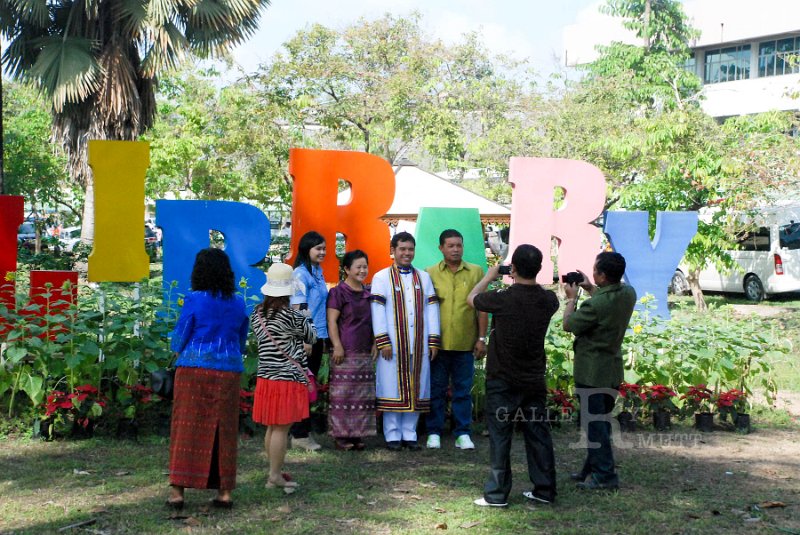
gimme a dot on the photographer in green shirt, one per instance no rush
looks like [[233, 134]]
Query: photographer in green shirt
[[599, 327]]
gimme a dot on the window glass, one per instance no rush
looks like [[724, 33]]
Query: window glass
[[755, 241], [727, 64], [776, 57], [789, 236]]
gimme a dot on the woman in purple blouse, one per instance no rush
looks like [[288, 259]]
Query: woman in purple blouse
[[352, 376]]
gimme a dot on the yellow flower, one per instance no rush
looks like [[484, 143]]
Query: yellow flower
[[10, 276], [637, 329], [243, 283], [180, 301]]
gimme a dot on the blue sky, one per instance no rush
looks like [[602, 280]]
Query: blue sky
[[523, 28]]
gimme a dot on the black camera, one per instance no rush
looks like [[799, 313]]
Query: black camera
[[573, 277], [505, 270]]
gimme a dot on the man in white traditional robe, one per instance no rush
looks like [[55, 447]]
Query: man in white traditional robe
[[405, 320]]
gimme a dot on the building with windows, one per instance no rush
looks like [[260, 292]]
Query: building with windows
[[747, 55]]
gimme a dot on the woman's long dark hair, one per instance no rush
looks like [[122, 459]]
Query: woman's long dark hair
[[310, 239], [271, 305], [212, 273]]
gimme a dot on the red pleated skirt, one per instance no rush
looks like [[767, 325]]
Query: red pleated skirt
[[279, 402], [205, 426]]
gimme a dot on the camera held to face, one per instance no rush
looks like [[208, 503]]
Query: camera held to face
[[504, 270], [573, 277]]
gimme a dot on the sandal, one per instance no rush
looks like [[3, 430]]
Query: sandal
[[222, 504], [358, 444], [176, 505], [282, 483], [343, 445]]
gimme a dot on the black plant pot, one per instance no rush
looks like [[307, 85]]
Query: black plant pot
[[743, 423], [82, 432], [704, 421], [661, 420], [128, 429], [45, 429], [627, 422]]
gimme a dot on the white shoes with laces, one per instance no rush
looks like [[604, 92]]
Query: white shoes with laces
[[464, 443], [434, 442]]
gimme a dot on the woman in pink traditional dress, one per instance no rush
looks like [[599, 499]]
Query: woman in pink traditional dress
[[352, 375]]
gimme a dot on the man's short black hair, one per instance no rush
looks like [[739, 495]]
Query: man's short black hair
[[450, 233], [612, 265], [403, 236], [527, 261]]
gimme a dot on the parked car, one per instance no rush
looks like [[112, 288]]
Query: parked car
[[69, 238], [769, 258]]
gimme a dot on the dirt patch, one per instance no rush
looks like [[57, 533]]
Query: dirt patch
[[762, 311]]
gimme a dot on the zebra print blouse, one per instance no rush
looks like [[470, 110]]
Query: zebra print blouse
[[289, 328]]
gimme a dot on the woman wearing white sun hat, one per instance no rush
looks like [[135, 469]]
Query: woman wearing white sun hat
[[281, 396]]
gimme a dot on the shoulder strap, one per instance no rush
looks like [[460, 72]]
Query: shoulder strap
[[263, 323]]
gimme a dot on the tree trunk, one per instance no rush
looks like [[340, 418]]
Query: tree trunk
[[87, 223], [697, 294], [647, 12]]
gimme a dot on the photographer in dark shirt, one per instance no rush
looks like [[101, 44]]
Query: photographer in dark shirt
[[516, 389]]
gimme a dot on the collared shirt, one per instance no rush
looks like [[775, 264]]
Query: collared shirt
[[599, 326], [313, 291], [459, 322]]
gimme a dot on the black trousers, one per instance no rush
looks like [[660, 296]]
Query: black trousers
[[505, 407], [599, 459], [302, 428]]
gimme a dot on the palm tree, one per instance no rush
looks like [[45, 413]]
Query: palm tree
[[98, 61]]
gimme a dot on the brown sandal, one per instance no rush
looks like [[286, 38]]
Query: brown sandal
[[343, 444]]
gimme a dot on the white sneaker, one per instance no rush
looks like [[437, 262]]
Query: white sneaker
[[531, 496], [307, 443], [434, 442], [483, 503], [464, 443]]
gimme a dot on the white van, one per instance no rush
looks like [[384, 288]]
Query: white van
[[769, 258]]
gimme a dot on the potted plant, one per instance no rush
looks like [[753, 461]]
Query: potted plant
[[632, 398], [698, 401], [246, 424], [80, 408], [133, 399], [659, 400], [734, 403], [559, 406], [89, 403]]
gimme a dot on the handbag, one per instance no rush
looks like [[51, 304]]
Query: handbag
[[313, 390], [162, 381]]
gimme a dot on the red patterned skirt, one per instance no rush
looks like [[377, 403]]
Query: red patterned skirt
[[280, 402], [205, 427]]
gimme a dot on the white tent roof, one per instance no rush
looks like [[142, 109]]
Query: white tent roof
[[416, 188]]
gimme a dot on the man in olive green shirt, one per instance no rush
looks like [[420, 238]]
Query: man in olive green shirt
[[463, 340], [599, 327]]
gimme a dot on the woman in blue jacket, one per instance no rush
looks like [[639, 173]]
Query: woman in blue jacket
[[210, 339]]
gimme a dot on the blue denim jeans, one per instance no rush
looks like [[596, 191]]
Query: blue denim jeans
[[458, 366]]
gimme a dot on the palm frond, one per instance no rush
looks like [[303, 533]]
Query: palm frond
[[131, 17], [30, 11], [167, 49], [66, 69]]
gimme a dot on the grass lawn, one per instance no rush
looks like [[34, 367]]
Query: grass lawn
[[675, 482]]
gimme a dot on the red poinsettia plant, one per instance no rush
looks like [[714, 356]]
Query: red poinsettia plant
[[560, 401], [697, 399], [245, 402], [632, 396], [83, 404], [659, 398], [134, 398], [733, 402]]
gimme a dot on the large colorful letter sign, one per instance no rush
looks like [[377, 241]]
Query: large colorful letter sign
[[432, 221], [650, 266], [186, 225], [316, 178], [11, 217], [533, 220], [119, 169]]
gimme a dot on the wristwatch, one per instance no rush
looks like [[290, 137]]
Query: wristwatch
[[482, 339]]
